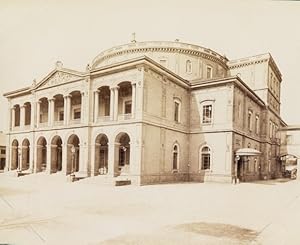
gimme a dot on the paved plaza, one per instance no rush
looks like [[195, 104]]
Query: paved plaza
[[43, 209]]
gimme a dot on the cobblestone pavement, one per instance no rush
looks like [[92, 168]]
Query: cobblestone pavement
[[41, 209]]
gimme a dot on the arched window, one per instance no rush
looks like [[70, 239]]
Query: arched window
[[188, 66], [205, 158], [175, 157]]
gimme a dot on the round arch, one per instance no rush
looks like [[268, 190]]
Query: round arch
[[56, 154], [25, 154], [73, 150], [122, 153], [41, 153], [101, 154]]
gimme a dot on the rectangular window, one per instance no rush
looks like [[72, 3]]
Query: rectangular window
[[250, 120], [127, 107], [2, 151], [61, 116], [77, 113], [176, 112], [209, 72], [205, 161], [207, 114]]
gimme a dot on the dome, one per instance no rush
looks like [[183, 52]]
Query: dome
[[189, 61]]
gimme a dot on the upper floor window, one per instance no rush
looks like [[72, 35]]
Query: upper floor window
[[188, 66], [250, 120], [175, 157], [256, 124], [2, 151], [205, 158], [207, 114], [208, 72], [77, 113], [177, 108], [127, 107]]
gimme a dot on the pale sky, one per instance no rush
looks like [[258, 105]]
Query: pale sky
[[35, 34]]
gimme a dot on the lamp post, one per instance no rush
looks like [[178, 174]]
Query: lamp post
[[73, 158]]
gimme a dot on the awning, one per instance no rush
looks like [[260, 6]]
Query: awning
[[247, 152]]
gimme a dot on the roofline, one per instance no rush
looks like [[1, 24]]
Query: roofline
[[257, 57], [127, 64], [234, 79], [33, 87]]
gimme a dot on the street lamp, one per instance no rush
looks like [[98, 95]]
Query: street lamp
[[73, 158]]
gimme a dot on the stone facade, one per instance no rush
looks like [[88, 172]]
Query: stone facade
[[2, 151], [150, 112]]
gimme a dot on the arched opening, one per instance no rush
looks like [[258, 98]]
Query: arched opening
[[17, 115], [43, 117], [41, 153], [101, 154], [122, 161], [125, 99], [175, 157], [205, 157], [14, 155], [73, 150], [27, 106], [76, 106], [58, 109], [104, 101], [25, 154], [56, 154]]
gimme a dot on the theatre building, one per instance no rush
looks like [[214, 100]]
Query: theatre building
[[150, 112]]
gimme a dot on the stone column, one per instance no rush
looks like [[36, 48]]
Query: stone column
[[38, 112], [82, 110], [111, 104], [52, 110], [116, 103], [111, 159], [68, 114], [93, 159], [48, 163], [22, 116], [20, 156], [96, 106], [64, 157], [133, 85], [83, 158], [32, 121], [65, 109], [49, 111], [13, 118]]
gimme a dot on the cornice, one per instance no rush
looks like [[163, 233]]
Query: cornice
[[243, 64], [212, 57]]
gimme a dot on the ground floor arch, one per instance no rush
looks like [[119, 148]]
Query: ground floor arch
[[25, 154], [101, 154], [41, 154], [56, 154], [122, 154], [14, 155], [73, 150]]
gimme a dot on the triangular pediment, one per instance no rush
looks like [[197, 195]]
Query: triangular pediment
[[58, 77]]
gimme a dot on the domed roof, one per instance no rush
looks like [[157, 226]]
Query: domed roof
[[158, 46]]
